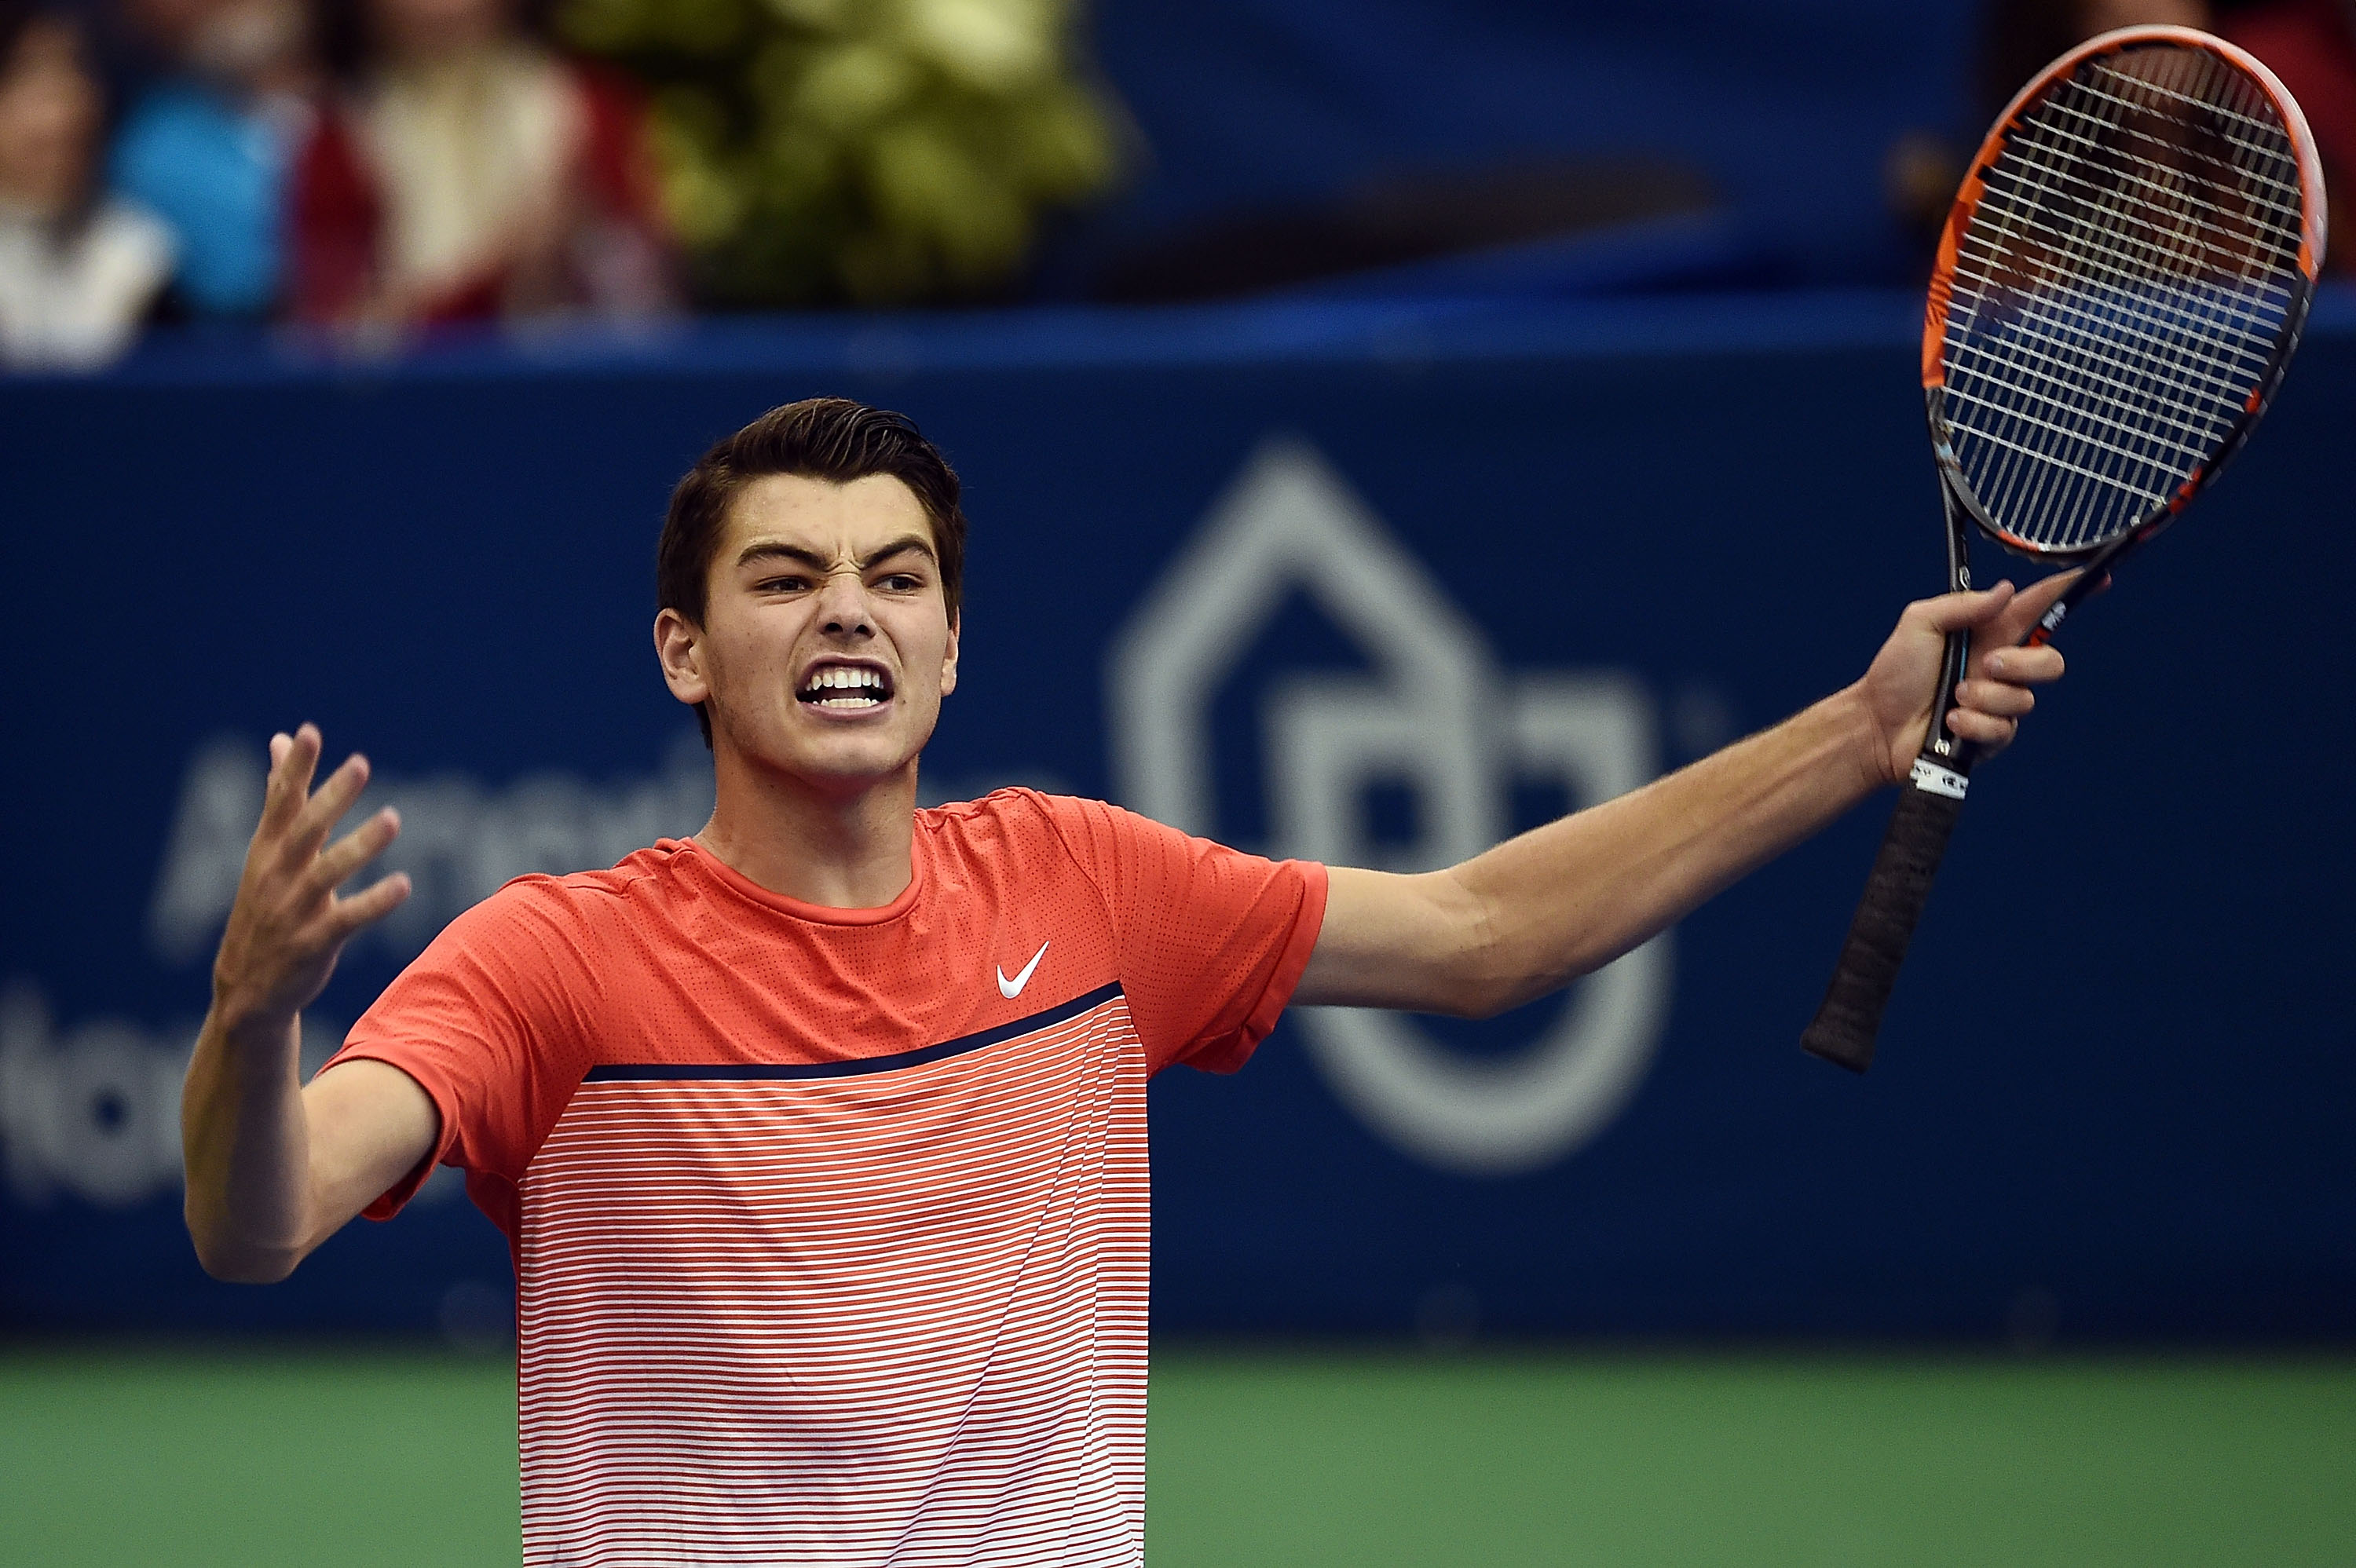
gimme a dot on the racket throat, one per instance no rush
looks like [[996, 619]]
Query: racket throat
[[1942, 747], [1945, 754]]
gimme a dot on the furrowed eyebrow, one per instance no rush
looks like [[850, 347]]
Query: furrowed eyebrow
[[769, 550], [898, 547], [777, 549]]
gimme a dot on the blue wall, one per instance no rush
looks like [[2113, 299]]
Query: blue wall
[[1789, 107], [2116, 1083]]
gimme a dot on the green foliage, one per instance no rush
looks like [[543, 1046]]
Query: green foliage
[[869, 151]]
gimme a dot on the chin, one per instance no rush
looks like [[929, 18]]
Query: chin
[[846, 765], [838, 760], [849, 778]]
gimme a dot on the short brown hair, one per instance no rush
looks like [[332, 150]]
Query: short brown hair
[[833, 439]]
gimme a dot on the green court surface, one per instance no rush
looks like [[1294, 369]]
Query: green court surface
[[263, 1458]]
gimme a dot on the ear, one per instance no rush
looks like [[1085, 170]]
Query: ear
[[679, 646], [949, 660]]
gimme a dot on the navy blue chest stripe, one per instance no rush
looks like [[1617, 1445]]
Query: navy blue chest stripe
[[617, 1072]]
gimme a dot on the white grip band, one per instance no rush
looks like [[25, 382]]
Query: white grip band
[[1930, 776]]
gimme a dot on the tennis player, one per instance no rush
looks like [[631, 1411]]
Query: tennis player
[[818, 1137]]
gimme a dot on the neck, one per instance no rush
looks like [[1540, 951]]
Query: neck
[[838, 850]]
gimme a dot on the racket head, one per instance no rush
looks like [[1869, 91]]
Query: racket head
[[2118, 289]]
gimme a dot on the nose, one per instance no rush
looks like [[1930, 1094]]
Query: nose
[[842, 606]]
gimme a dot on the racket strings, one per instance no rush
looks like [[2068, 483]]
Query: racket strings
[[2193, 251], [2195, 260], [2119, 293], [2092, 333]]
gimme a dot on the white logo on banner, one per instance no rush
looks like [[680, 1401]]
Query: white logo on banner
[[94, 1112], [1438, 714], [460, 839]]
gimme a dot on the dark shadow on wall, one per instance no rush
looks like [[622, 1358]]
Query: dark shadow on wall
[[1402, 219]]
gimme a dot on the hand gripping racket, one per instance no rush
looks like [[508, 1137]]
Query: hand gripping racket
[[2119, 287]]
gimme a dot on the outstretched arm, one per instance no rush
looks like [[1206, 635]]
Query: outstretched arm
[[274, 1168], [1537, 911]]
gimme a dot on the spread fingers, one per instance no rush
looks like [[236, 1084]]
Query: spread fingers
[[291, 760], [325, 808], [347, 855], [371, 904]]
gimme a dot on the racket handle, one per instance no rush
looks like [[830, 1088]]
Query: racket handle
[[1850, 1015]]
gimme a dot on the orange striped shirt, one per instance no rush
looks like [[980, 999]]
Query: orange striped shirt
[[830, 1225]]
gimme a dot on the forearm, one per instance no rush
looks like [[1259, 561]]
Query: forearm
[[1569, 897], [1535, 913], [246, 1143], [273, 1168]]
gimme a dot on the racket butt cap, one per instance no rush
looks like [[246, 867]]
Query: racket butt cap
[[1837, 1046]]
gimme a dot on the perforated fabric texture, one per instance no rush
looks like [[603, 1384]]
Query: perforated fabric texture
[[671, 956], [830, 1226]]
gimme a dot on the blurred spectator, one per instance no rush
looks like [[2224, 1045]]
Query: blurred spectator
[[208, 148], [79, 270], [2020, 38], [467, 172], [2309, 44]]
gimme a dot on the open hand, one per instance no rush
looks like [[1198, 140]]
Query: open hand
[[1994, 693], [288, 924]]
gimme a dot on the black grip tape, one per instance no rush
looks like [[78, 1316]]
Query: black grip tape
[[1850, 1016]]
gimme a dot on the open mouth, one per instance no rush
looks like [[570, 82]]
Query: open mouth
[[846, 687]]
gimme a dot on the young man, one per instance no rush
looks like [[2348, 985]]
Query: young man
[[819, 1137]]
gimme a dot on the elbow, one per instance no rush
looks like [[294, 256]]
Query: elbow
[[235, 1261], [246, 1271], [1496, 976], [1480, 996], [1484, 1002], [1487, 1006], [246, 1265], [1478, 979], [1489, 991], [1481, 958]]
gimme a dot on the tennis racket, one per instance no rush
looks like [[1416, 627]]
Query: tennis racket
[[2118, 290]]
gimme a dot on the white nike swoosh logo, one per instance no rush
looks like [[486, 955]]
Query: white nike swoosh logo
[[1012, 989]]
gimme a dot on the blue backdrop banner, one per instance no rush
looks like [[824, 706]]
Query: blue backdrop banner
[[1370, 582]]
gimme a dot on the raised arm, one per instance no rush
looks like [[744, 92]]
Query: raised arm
[[1537, 911], [273, 1167]]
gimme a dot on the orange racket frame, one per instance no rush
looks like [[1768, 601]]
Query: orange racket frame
[[1848, 1021]]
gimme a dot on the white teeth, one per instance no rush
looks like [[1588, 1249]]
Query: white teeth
[[860, 687]]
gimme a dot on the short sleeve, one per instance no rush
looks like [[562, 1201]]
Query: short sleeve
[[1213, 940], [489, 1021]]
